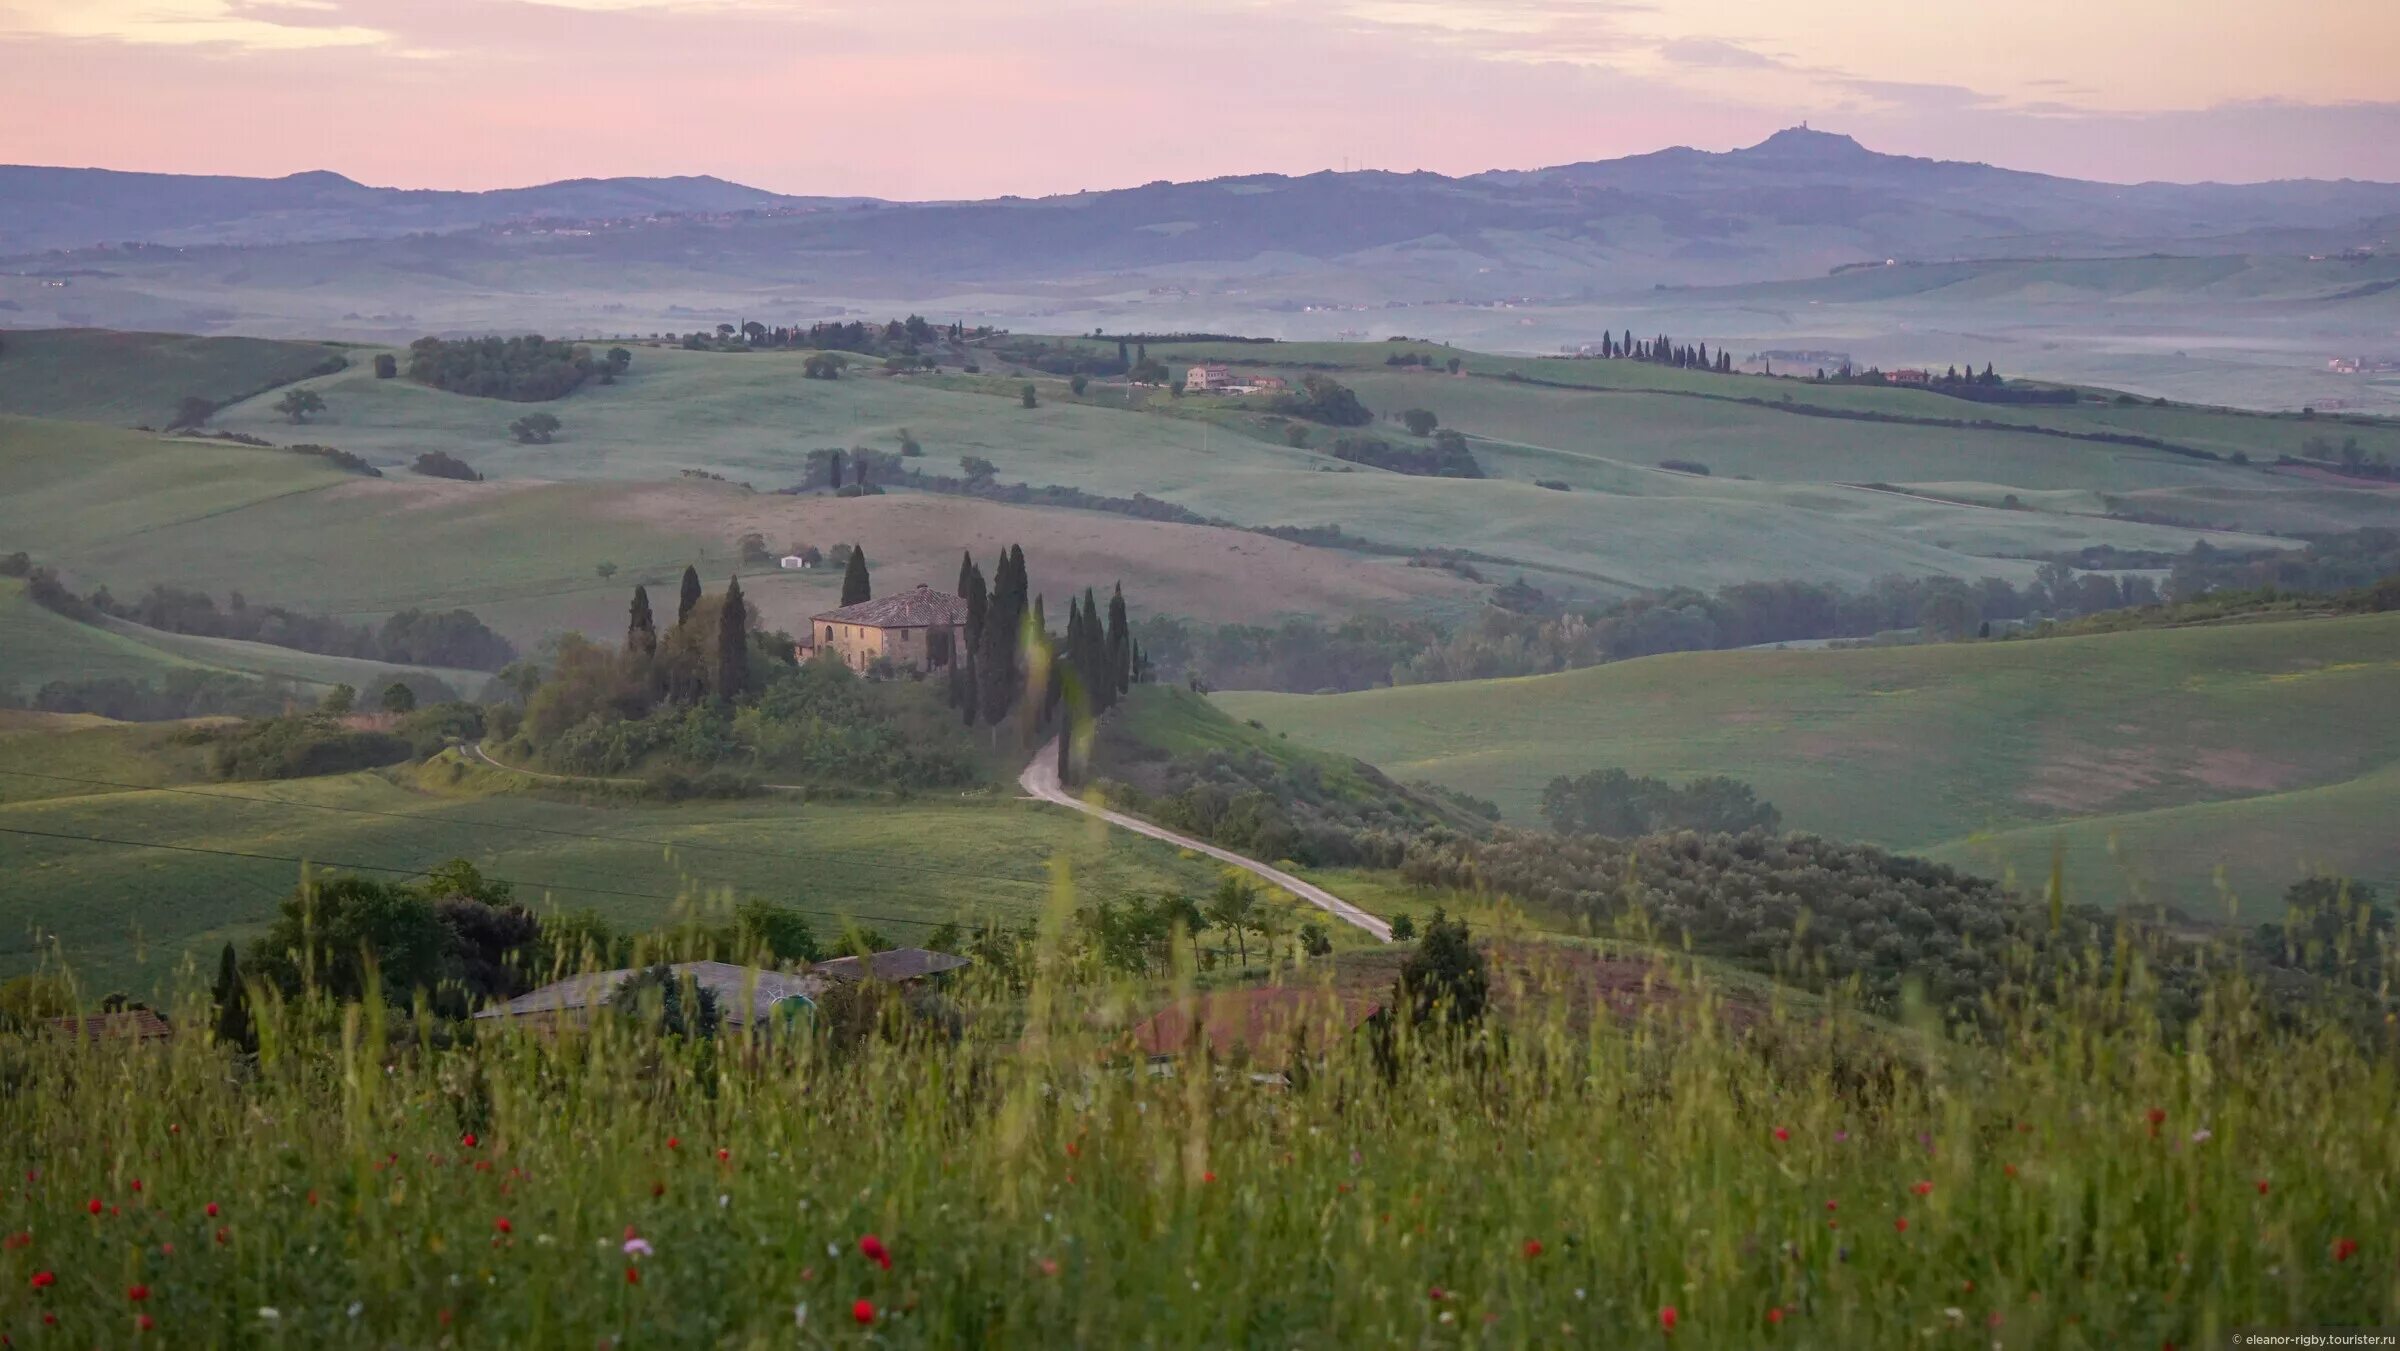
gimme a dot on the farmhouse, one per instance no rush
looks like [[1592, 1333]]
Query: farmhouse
[[791, 562], [1912, 377], [1213, 378], [916, 630]]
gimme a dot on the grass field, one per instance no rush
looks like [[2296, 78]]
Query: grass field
[[124, 914], [1923, 747], [102, 376]]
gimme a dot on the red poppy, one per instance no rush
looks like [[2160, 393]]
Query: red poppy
[[43, 1280], [633, 1275], [872, 1247], [467, 1140], [723, 1155], [673, 1143], [145, 1322], [503, 1225], [92, 1205], [1666, 1319], [223, 1236], [1901, 1224], [2008, 1170], [137, 1184], [1775, 1315], [1923, 1189], [2343, 1248], [2262, 1186], [1437, 1294], [1782, 1135], [20, 1240], [658, 1189], [1533, 1248], [211, 1210], [137, 1293], [312, 1196], [1208, 1176], [1049, 1266], [1831, 1204], [1073, 1150], [863, 1311], [2158, 1116]]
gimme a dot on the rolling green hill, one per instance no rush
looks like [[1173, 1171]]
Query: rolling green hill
[[1921, 748], [125, 914], [99, 375]]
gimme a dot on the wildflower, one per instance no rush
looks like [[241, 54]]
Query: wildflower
[[637, 1247], [1437, 1294], [673, 1143], [2201, 1136], [166, 1250], [211, 1210], [723, 1155], [1901, 1225], [1666, 1319], [633, 1275], [1049, 1266], [137, 1293], [2008, 1170], [20, 1240], [863, 1312], [223, 1236], [1533, 1248], [467, 1141], [92, 1205], [1209, 1176], [658, 1189], [269, 1314], [312, 1197], [43, 1280], [137, 1184], [1775, 1316], [873, 1250], [503, 1225], [1923, 1189], [1831, 1204], [2262, 1186], [2343, 1248], [1782, 1135], [2158, 1117], [145, 1322]]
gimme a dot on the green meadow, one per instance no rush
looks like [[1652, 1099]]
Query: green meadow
[[97, 375], [129, 880], [2162, 738]]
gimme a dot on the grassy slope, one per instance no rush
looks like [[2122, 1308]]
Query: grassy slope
[[101, 376], [753, 419], [126, 914], [1922, 747]]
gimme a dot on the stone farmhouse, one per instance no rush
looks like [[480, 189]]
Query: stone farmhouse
[[916, 630]]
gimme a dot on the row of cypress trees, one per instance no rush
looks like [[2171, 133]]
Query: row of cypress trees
[[685, 676], [1008, 650]]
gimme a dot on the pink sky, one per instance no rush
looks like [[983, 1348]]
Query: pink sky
[[952, 99]]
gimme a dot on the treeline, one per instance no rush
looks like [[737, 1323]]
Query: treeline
[[528, 369], [893, 337], [863, 471], [1613, 802], [1446, 457], [2343, 562], [185, 692], [1321, 398], [1011, 665], [1662, 350], [410, 638]]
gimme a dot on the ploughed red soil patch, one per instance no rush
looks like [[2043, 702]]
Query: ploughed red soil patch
[[1528, 977]]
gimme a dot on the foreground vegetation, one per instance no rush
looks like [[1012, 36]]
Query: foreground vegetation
[[1702, 1166]]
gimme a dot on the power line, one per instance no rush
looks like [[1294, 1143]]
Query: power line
[[839, 856], [421, 872]]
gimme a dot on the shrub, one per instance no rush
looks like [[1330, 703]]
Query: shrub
[[442, 464]]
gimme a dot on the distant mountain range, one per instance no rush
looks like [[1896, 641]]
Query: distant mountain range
[[1798, 203], [44, 208]]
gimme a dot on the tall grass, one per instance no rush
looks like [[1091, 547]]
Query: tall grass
[[1708, 1171]]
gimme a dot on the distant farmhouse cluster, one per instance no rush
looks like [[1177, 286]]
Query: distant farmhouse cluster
[[1212, 378], [2364, 365], [918, 630]]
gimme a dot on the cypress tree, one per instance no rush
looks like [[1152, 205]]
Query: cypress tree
[[733, 643], [691, 593], [979, 602], [641, 631], [836, 471], [1120, 642], [233, 1003], [966, 571], [855, 587]]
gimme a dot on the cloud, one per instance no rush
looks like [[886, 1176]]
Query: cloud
[[1717, 54], [285, 26]]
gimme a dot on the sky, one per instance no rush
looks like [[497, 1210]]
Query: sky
[[975, 98]]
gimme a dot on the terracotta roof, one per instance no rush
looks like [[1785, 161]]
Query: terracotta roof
[[897, 964], [920, 607], [130, 1025], [743, 992], [1262, 1024]]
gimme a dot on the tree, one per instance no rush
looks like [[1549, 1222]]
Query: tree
[[618, 361], [1028, 396], [824, 366], [690, 596], [641, 631], [399, 698], [663, 1002], [1445, 980], [753, 548], [604, 569], [1404, 927], [1314, 940], [1233, 907], [298, 405], [387, 367], [232, 999], [1295, 434], [191, 412], [1421, 422], [856, 588], [535, 429], [338, 701], [1078, 384], [733, 643], [833, 472], [1120, 643]]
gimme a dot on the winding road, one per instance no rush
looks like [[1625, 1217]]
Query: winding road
[[1040, 780]]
